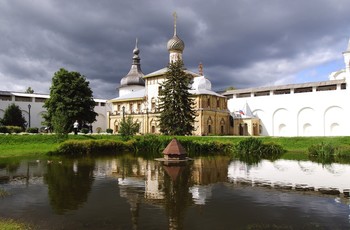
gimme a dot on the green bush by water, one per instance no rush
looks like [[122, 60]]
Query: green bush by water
[[152, 145], [328, 153], [92, 147], [252, 150]]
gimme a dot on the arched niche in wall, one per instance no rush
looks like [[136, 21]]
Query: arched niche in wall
[[306, 122], [280, 122], [334, 121]]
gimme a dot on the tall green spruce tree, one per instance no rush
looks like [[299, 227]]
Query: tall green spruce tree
[[176, 105], [70, 99], [13, 117]]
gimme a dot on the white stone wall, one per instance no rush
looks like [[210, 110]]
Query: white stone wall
[[152, 92], [37, 110], [322, 113], [129, 89]]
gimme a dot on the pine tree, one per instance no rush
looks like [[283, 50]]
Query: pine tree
[[128, 128], [13, 117], [176, 105]]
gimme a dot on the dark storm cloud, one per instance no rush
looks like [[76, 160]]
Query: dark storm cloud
[[241, 43]]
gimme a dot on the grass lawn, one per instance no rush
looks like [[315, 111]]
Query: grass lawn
[[33, 145], [24, 145]]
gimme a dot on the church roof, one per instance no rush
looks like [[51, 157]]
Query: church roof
[[135, 95], [201, 85], [163, 71], [204, 92], [281, 87], [135, 75]]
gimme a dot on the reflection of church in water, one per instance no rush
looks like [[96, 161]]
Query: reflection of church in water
[[173, 188]]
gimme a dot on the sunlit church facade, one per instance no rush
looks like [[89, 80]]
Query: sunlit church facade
[[139, 98]]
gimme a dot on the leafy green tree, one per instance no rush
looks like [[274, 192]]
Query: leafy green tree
[[176, 105], [128, 128], [29, 90], [13, 117], [70, 99]]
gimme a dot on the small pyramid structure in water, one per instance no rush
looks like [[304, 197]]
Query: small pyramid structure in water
[[174, 151]]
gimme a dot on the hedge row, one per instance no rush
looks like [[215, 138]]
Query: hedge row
[[150, 145], [92, 147], [10, 129], [17, 129]]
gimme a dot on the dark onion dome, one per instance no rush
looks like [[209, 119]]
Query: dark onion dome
[[135, 75]]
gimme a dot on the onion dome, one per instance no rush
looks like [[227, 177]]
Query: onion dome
[[201, 83], [175, 43], [135, 75]]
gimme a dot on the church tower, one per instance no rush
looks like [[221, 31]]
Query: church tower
[[175, 45], [133, 81]]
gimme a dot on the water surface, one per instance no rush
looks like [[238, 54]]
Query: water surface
[[208, 193]]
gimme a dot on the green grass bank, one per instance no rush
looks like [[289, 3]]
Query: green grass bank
[[42, 144]]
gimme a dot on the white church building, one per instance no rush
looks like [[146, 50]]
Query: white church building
[[307, 109]]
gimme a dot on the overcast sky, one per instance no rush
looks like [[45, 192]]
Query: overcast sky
[[241, 43]]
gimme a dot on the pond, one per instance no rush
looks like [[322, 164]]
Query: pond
[[127, 192]]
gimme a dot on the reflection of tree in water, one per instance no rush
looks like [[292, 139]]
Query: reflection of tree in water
[[10, 165], [69, 184], [252, 159], [335, 169], [307, 166], [177, 196]]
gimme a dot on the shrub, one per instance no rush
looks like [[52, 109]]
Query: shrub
[[252, 150], [85, 130], [33, 130], [109, 130], [249, 146], [91, 147], [14, 129], [3, 129], [272, 151], [98, 130], [322, 150], [128, 128], [195, 148], [149, 144]]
